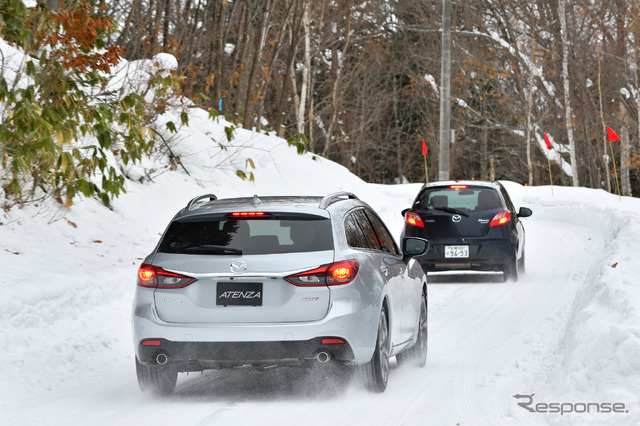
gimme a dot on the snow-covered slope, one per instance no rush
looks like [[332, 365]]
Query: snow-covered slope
[[567, 332]]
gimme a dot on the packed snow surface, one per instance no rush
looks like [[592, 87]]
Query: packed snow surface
[[565, 338]]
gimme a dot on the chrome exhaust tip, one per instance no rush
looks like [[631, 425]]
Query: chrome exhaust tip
[[323, 357], [162, 359]]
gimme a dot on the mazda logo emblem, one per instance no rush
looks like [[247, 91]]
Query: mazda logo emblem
[[456, 218], [239, 267]]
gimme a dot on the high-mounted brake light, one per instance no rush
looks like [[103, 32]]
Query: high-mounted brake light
[[414, 219], [458, 187], [337, 273], [155, 277], [500, 219], [247, 215]]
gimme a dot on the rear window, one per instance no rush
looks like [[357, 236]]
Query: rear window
[[220, 236], [470, 199]]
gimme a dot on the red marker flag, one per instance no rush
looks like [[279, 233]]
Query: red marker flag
[[613, 137], [424, 148], [546, 139]]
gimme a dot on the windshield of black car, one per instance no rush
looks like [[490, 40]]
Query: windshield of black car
[[458, 200], [225, 236]]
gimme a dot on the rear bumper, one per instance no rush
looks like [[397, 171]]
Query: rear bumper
[[484, 255], [196, 356], [350, 318]]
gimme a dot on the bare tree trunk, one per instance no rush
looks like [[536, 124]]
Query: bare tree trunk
[[127, 24], [306, 69], [530, 99], [165, 28], [604, 154], [529, 112], [336, 84], [257, 54], [156, 26], [567, 92], [218, 83], [625, 180]]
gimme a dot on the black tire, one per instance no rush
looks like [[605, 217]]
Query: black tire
[[376, 371], [521, 269], [511, 269], [417, 354], [156, 379]]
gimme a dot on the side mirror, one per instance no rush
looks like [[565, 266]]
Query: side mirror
[[404, 212], [412, 246], [524, 212]]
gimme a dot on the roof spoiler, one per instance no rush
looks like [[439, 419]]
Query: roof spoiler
[[327, 200], [196, 200]]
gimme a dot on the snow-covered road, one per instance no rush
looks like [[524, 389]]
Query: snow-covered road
[[68, 357]]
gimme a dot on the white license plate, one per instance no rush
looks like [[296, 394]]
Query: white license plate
[[456, 251]]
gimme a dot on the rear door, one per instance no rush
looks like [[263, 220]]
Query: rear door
[[458, 212], [384, 261], [239, 265]]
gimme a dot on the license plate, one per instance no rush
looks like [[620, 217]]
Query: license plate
[[456, 251], [239, 294]]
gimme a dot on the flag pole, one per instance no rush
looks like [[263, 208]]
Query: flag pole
[[548, 143], [425, 151], [614, 170], [550, 177], [613, 136], [426, 170]]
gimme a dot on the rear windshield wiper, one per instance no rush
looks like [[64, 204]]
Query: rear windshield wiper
[[212, 249], [451, 210]]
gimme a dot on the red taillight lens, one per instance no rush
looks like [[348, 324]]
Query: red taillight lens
[[332, 341], [337, 273], [500, 219], [458, 187], [151, 343], [414, 219], [154, 277], [342, 272]]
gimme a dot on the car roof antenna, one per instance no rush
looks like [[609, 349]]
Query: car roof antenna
[[255, 202]]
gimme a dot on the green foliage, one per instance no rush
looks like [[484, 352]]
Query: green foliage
[[228, 130], [300, 142], [63, 133]]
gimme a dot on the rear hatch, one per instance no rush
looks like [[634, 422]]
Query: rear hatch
[[455, 212], [239, 267]]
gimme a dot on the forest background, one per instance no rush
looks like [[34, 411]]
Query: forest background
[[357, 81]]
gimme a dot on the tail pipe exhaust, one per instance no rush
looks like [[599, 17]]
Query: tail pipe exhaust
[[323, 357], [162, 358]]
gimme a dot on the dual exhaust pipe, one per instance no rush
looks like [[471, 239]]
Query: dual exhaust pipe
[[322, 357]]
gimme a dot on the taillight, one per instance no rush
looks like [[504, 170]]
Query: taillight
[[337, 273], [458, 187], [500, 219], [155, 277], [414, 219]]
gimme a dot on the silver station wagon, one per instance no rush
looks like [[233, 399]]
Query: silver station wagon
[[278, 281]]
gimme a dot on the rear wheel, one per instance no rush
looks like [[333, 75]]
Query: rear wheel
[[376, 371], [417, 354], [521, 269], [511, 270], [157, 379]]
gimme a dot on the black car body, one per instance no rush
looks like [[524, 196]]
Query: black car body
[[470, 225]]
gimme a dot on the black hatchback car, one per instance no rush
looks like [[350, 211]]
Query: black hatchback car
[[470, 225]]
